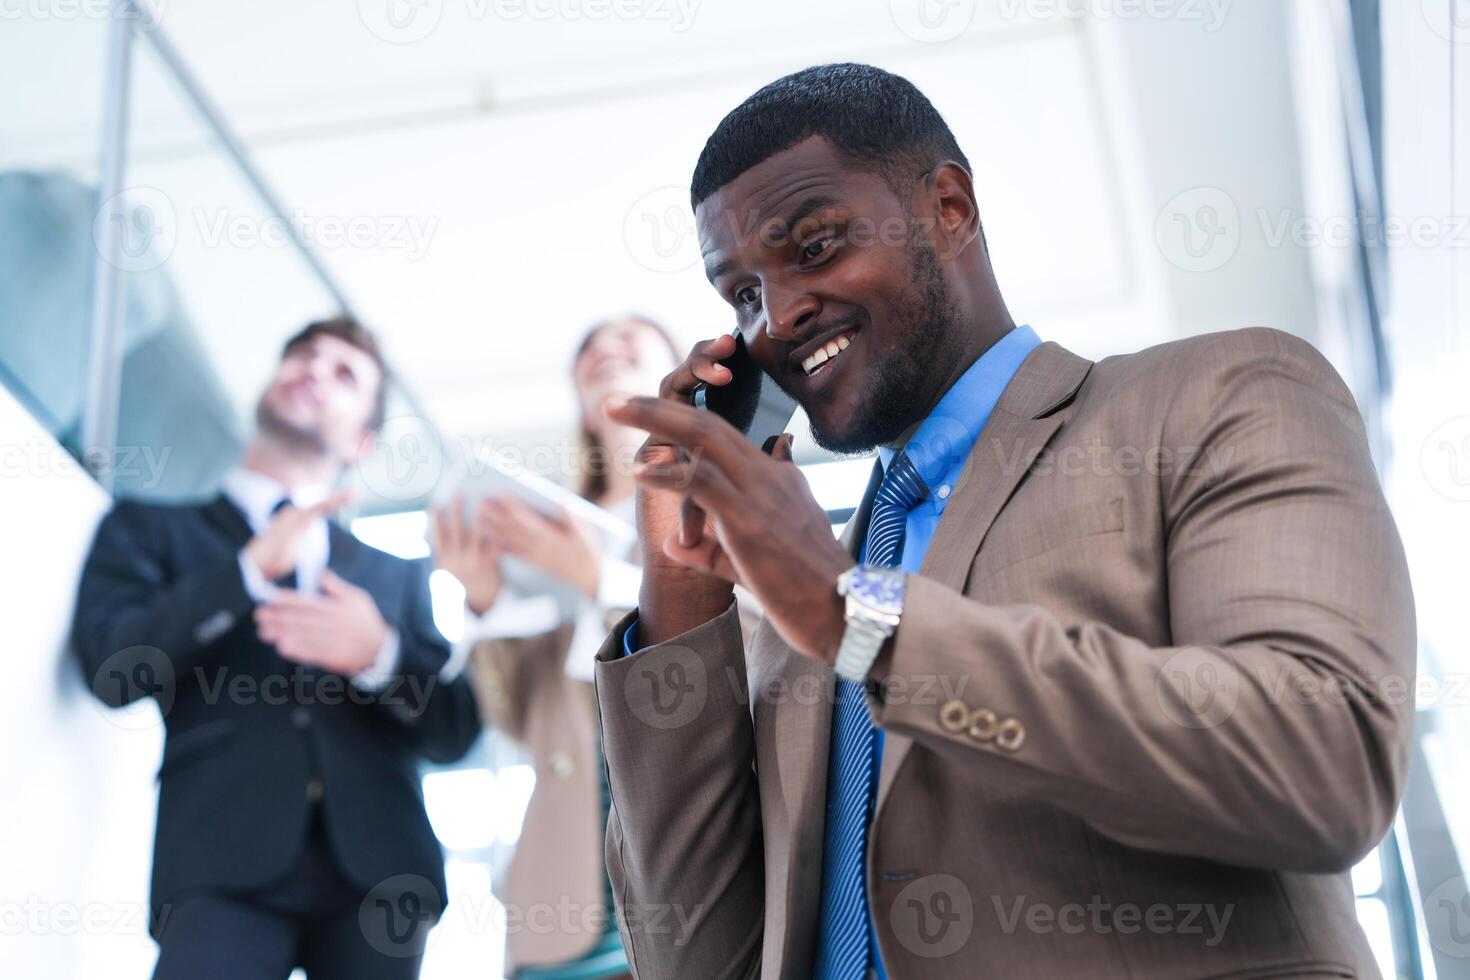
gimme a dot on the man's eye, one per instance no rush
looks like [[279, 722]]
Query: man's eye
[[748, 296], [815, 249]]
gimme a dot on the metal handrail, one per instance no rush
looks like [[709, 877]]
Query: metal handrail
[[130, 19]]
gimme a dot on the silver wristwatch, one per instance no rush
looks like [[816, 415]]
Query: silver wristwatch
[[874, 597]]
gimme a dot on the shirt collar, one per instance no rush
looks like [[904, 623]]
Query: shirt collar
[[940, 446], [257, 494]]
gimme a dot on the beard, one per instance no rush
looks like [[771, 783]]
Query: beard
[[300, 440], [899, 388]]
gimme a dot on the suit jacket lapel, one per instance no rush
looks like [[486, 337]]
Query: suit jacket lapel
[[345, 554], [1025, 419], [227, 517]]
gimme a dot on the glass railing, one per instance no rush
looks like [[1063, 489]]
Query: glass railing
[[125, 183], [48, 176]]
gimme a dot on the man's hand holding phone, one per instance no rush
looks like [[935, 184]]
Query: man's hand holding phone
[[674, 597], [715, 509]]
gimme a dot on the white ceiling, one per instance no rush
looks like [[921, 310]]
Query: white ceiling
[[507, 171]]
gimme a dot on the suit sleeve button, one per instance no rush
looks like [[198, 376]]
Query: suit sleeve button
[[1010, 735], [983, 725], [954, 716]]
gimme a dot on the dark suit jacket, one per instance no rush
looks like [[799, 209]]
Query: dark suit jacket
[[253, 739]]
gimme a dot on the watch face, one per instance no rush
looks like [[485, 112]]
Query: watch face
[[880, 588]]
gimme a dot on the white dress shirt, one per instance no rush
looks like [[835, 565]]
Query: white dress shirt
[[256, 495]]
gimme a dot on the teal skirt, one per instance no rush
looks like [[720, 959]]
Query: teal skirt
[[606, 959]]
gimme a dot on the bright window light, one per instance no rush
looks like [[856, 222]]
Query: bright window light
[[840, 483], [1373, 917], [446, 596], [404, 535], [1368, 875], [462, 807]]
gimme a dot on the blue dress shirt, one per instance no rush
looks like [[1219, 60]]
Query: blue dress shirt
[[940, 447]]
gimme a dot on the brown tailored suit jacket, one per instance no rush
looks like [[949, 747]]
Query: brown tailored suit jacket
[[1145, 708]]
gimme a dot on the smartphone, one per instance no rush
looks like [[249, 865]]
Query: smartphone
[[752, 402]]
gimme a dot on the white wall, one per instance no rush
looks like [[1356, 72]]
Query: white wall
[[1427, 129], [76, 827]]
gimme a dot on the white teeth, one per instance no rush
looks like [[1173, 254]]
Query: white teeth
[[825, 353]]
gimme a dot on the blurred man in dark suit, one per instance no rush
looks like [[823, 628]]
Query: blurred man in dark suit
[[301, 678]]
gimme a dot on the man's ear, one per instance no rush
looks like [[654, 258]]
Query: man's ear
[[956, 213]]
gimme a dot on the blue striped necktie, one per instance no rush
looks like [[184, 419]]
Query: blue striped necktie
[[842, 942]]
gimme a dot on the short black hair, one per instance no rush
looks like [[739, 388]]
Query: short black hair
[[348, 329], [878, 120]]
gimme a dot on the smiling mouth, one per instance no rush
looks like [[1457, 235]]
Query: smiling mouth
[[827, 353]]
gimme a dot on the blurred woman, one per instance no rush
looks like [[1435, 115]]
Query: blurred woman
[[537, 688]]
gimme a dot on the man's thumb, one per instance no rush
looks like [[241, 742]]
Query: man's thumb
[[780, 446]]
